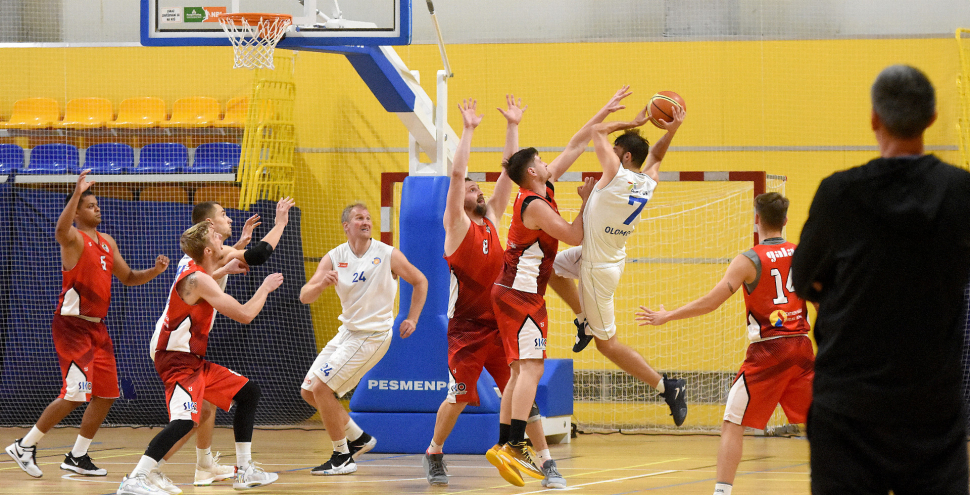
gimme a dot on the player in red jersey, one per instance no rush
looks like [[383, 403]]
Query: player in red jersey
[[475, 256], [84, 350], [188, 377], [779, 364]]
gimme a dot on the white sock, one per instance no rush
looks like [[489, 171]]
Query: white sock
[[543, 457], [31, 438], [435, 448], [203, 457], [145, 465], [722, 489], [244, 453], [341, 446], [160, 463], [81, 446], [660, 386], [352, 431]]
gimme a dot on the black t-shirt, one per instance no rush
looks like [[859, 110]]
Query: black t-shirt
[[889, 242]]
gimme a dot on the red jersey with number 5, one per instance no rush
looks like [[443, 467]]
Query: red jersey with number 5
[[474, 266], [773, 308], [530, 253], [186, 326], [86, 288]]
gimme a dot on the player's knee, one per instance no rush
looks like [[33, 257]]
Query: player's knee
[[181, 427], [308, 397], [249, 394]]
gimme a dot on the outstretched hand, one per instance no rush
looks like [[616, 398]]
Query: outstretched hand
[[514, 113], [161, 263], [587, 188], [641, 117], [679, 115], [283, 210], [614, 104], [82, 183], [273, 281], [469, 114], [247, 231], [651, 317]]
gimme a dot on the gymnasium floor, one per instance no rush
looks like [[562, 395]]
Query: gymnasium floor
[[592, 464]]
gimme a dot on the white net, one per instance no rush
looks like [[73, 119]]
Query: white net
[[254, 37]]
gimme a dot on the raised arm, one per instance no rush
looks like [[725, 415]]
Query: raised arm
[[659, 149], [204, 287], [402, 267], [65, 233], [130, 277], [538, 215], [577, 145], [455, 220], [503, 187], [739, 271], [324, 277], [260, 253], [282, 218], [604, 150], [247, 232]]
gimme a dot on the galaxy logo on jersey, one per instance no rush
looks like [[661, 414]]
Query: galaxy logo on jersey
[[376, 261], [777, 318], [780, 253], [459, 389]]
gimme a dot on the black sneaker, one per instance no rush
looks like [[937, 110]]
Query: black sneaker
[[82, 465], [362, 445], [582, 339], [675, 395], [338, 464], [435, 469]]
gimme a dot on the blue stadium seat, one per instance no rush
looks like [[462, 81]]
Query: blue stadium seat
[[216, 158], [11, 159], [163, 158], [109, 158], [53, 158]]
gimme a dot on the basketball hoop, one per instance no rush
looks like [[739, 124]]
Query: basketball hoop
[[254, 37]]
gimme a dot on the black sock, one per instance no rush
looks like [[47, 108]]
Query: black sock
[[517, 431], [503, 433]]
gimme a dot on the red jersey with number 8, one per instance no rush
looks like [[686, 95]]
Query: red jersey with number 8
[[773, 308], [86, 288], [474, 266]]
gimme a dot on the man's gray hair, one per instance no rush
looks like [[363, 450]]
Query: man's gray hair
[[345, 216], [904, 100]]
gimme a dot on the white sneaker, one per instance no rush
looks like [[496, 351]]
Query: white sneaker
[[252, 477], [137, 485], [25, 457], [215, 472], [157, 478]]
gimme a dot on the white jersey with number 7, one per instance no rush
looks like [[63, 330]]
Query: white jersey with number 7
[[612, 214]]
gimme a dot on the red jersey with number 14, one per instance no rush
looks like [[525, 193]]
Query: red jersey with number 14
[[530, 253], [86, 288], [474, 266], [773, 308], [186, 326]]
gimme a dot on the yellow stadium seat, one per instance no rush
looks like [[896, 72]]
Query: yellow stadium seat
[[199, 111], [33, 113], [236, 109], [170, 194], [86, 113], [139, 113], [226, 195]]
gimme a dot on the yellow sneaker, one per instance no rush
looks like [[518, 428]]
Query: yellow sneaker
[[523, 458], [508, 471]]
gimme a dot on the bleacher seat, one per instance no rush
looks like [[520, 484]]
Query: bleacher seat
[[53, 158], [86, 113], [166, 193], [33, 113], [11, 159], [139, 113], [109, 158], [198, 111], [216, 158], [236, 109], [163, 158]]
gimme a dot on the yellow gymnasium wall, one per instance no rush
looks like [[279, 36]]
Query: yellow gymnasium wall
[[793, 108]]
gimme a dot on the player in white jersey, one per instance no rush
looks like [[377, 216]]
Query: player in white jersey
[[363, 272], [208, 469], [611, 217]]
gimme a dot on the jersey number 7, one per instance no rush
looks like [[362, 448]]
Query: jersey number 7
[[636, 212]]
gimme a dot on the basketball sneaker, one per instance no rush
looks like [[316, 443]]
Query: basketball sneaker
[[362, 445], [522, 457], [435, 469], [157, 478], [339, 463], [553, 479], [508, 471], [205, 476], [675, 395], [82, 465], [252, 476], [582, 338], [137, 485], [25, 457]]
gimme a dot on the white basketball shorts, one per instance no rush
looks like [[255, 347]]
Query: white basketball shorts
[[347, 357], [597, 284]]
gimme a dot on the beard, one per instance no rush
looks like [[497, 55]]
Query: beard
[[480, 209]]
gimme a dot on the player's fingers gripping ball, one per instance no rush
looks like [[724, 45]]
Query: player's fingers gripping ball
[[661, 107]]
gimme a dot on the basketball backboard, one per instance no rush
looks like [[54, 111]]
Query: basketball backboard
[[315, 22]]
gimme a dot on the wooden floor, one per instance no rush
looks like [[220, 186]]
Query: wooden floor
[[593, 464]]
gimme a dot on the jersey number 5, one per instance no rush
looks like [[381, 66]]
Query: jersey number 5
[[636, 212], [779, 283], [104, 266]]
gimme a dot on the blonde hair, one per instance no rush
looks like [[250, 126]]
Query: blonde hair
[[345, 216], [194, 240]]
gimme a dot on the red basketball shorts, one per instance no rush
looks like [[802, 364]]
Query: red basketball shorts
[[473, 346], [778, 371], [190, 379], [522, 322], [87, 359]]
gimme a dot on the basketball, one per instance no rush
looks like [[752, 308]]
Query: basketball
[[662, 107]]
